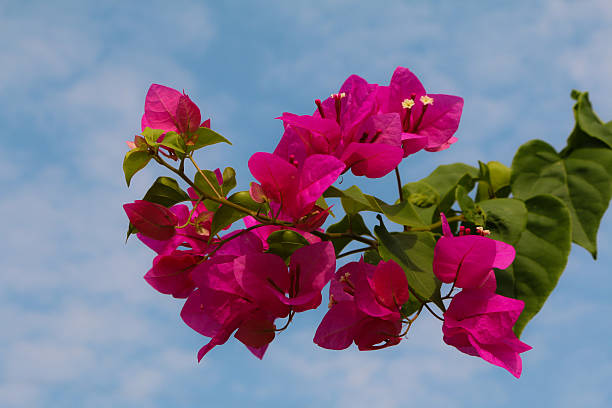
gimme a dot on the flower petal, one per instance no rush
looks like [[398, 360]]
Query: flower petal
[[264, 277], [152, 220], [170, 274], [372, 160], [390, 285], [278, 177], [337, 328], [311, 268], [318, 172], [161, 103], [187, 115]]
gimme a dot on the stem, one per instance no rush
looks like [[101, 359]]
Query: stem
[[220, 200], [432, 312], [399, 190], [436, 224], [291, 314], [399, 184], [410, 321], [204, 177], [226, 240], [354, 251], [195, 207], [255, 214], [356, 237]]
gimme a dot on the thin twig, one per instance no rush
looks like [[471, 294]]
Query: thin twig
[[354, 251]]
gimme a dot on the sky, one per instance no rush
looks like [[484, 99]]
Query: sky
[[80, 327]]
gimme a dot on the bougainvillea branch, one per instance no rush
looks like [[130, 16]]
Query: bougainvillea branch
[[494, 239]]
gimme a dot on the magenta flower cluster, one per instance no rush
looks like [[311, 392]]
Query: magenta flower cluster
[[235, 285]]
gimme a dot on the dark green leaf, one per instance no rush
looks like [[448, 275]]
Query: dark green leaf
[[541, 255], [206, 137], [372, 257], [436, 298], [131, 230], [445, 178], [506, 218], [471, 212], [206, 182], [410, 307], [413, 251], [227, 215], [166, 191], [588, 122], [581, 180], [333, 192], [229, 180], [284, 242], [134, 161], [352, 223], [494, 181]]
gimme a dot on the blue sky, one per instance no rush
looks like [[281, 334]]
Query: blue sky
[[80, 325]]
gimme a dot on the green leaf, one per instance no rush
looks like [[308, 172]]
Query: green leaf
[[436, 298], [131, 230], [134, 161], [506, 218], [581, 180], [229, 180], [372, 257], [166, 191], [413, 251], [349, 223], [227, 215], [471, 212], [206, 137], [354, 201], [541, 255], [285, 242], [588, 122], [424, 199], [323, 204], [402, 213], [152, 135], [494, 181], [206, 181], [445, 179], [410, 307], [174, 141]]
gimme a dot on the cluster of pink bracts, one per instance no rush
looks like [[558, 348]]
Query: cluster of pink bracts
[[235, 286]]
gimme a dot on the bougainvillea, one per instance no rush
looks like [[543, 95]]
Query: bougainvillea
[[486, 261]]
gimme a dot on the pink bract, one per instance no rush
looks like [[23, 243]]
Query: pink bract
[[365, 303], [347, 126], [152, 220], [171, 274], [170, 110], [428, 120], [467, 260], [479, 323], [243, 290], [295, 188]]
